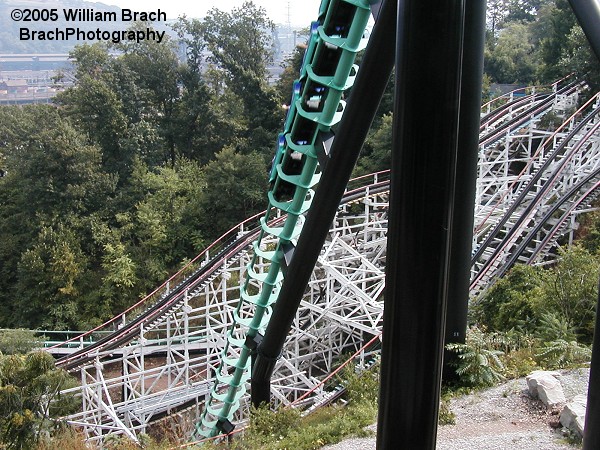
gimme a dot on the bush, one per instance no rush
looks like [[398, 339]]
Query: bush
[[522, 299], [511, 302], [479, 363], [276, 424], [30, 398], [13, 342]]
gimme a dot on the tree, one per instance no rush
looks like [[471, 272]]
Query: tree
[[578, 58], [512, 59], [49, 279], [589, 232], [18, 341], [523, 10], [550, 31], [30, 398], [157, 70], [511, 302], [291, 71], [496, 13], [54, 185], [571, 290], [240, 44], [568, 291], [235, 189], [377, 153]]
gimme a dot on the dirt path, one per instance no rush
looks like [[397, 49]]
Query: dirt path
[[500, 418]]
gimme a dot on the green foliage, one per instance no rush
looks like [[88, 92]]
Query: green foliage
[[445, 415], [479, 362], [511, 302], [377, 152], [19, 341], [362, 386], [278, 425], [544, 316], [589, 232], [235, 189], [572, 290], [30, 398], [240, 45], [559, 343], [512, 58], [529, 41], [561, 353], [285, 429], [522, 298], [104, 196], [521, 361]]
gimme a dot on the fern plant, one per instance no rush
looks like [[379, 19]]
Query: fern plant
[[560, 347], [560, 353], [478, 363]]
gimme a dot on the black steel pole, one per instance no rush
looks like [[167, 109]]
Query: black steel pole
[[591, 431], [466, 174], [368, 88], [588, 16], [422, 197]]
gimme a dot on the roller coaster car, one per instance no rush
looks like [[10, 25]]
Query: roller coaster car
[[304, 131], [327, 59], [341, 20], [293, 163], [277, 157], [314, 97]]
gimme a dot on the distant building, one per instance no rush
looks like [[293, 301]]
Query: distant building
[[34, 61], [14, 86]]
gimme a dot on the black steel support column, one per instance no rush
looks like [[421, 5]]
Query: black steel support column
[[466, 173], [422, 197], [588, 16], [591, 432], [368, 88]]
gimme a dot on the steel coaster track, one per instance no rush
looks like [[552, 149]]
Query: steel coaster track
[[327, 71], [178, 294], [543, 186], [231, 242], [557, 152]]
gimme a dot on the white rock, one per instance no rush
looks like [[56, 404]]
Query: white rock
[[545, 386], [573, 414]]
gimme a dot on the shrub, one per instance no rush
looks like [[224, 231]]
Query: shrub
[[30, 398], [265, 422], [478, 363], [511, 302], [18, 341]]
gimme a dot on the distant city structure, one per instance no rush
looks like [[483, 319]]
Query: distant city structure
[[29, 78]]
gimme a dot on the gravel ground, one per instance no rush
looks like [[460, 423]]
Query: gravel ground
[[500, 418]]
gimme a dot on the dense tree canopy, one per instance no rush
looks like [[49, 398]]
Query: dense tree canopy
[[533, 41], [145, 160], [159, 148]]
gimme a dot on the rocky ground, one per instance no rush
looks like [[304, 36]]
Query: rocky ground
[[500, 418]]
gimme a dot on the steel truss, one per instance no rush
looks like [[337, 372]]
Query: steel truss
[[171, 362], [165, 358]]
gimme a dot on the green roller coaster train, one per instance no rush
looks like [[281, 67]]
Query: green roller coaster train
[[276, 302], [328, 70]]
